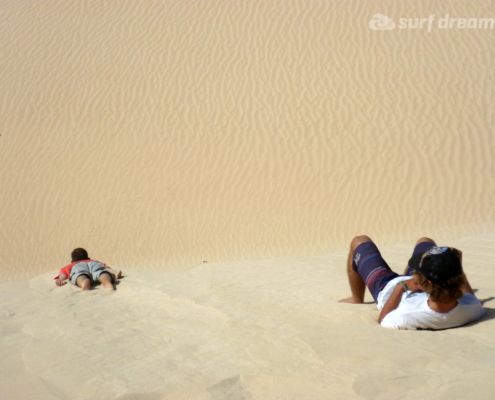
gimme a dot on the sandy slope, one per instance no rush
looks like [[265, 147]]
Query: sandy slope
[[266, 329], [162, 134], [167, 133]]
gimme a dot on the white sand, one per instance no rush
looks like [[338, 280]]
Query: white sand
[[267, 329], [161, 134]]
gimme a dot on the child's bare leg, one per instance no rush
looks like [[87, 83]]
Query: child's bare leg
[[83, 282], [106, 280], [355, 281]]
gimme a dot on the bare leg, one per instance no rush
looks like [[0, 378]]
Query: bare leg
[[83, 282], [421, 240], [355, 282], [106, 280]]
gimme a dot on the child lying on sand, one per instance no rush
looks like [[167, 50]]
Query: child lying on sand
[[83, 272]]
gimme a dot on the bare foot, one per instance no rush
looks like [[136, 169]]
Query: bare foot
[[119, 274], [350, 300]]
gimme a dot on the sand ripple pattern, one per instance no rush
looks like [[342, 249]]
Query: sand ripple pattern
[[170, 133]]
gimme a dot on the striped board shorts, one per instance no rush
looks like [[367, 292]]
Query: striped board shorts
[[374, 270]]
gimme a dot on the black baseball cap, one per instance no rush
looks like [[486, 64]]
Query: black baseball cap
[[438, 264]]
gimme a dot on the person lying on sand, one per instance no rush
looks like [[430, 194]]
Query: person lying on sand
[[83, 272], [433, 293]]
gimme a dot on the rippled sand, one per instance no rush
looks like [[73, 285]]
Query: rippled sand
[[159, 134], [185, 141]]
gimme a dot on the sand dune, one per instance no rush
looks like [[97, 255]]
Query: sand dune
[[265, 329], [159, 134], [223, 154]]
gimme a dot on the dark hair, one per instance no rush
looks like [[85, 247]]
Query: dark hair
[[451, 290], [79, 254]]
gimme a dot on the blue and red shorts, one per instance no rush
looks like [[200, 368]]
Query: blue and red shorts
[[374, 270]]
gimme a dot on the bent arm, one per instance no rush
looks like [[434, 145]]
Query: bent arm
[[110, 269], [466, 287], [62, 280], [392, 302], [118, 274]]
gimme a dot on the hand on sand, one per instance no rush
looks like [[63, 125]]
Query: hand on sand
[[349, 300], [59, 282], [119, 275]]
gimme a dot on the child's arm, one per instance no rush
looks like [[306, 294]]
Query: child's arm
[[118, 275], [110, 269], [62, 280]]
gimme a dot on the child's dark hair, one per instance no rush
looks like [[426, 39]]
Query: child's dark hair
[[79, 254]]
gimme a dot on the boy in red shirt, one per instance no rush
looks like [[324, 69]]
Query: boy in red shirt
[[83, 272]]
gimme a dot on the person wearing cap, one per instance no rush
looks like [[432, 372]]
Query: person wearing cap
[[433, 293]]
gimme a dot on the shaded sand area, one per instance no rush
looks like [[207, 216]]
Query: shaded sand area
[[266, 329]]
